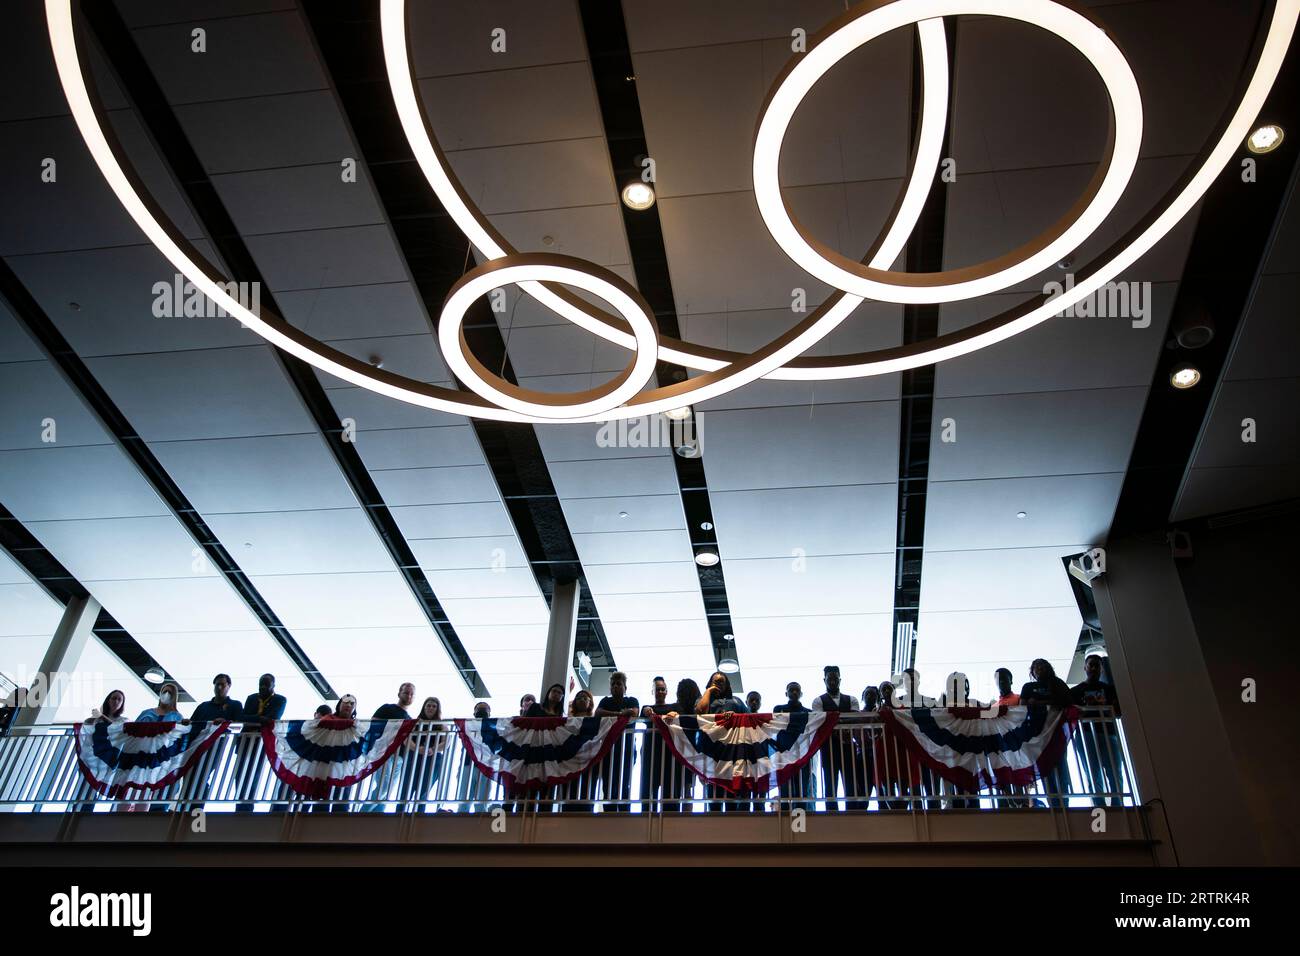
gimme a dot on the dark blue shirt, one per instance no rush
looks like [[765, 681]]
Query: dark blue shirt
[[273, 709], [721, 705], [228, 709], [391, 712]]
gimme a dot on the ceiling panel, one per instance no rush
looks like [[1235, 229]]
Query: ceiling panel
[[1011, 436], [997, 578], [56, 483], [801, 447], [784, 522], [457, 38], [840, 584], [302, 542], [379, 599], [982, 513]]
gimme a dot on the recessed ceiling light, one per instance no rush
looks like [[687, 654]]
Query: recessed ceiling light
[[707, 559], [678, 414], [622, 514], [728, 637], [74, 306], [155, 675], [1022, 514], [1265, 139], [689, 449], [729, 665], [1185, 376], [638, 195], [376, 360], [706, 525]]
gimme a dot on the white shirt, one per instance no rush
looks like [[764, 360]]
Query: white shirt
[[817, 702]]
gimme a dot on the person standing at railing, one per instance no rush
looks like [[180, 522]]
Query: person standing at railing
[[679, 788], [471, 785], [526, 703], [654, 755], [754, 701], [583, 785], [163, 712], [957, 694], [892, 776], [111, 710], [552, 704], [264, 707], [789, 790], [383, 780], [1048, 690], [1098, 740], [221, 707], [837, 756], [909, 696], [616, 780], [1007, 697], [424, 755], [718, 698]]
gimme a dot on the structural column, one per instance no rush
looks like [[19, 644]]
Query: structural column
[[560, 637], [1183, 759], [61, 657]]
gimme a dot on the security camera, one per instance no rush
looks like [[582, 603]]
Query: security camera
[[1089, 565]]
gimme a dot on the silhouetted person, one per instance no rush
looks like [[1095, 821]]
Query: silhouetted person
[[1098, 740]]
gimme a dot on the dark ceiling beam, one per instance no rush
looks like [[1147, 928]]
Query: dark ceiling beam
[[1237, 226], [349, 42], [45, 569], [924, 253], [146, 95], [620, 110]]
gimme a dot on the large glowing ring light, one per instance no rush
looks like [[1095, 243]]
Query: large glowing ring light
[[633, 325]]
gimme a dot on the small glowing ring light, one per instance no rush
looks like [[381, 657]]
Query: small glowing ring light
[[544, 267]]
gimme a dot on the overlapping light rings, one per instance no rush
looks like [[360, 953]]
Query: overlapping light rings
[[632, 327]]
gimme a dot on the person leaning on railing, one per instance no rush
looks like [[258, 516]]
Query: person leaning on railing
[[264, 707], [789, 789], [583, 785], [719, 699], [1007, 697], [616, 781], [1048, 690], [221, 707], [680, 784], [1098, 740], [425, 751], [654, 755], [382, 781], [111, 710]]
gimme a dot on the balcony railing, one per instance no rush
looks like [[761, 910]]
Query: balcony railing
[[857, 770]]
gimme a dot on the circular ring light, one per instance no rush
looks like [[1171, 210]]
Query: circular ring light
[[545, 267], [858, 28], [782, 358]]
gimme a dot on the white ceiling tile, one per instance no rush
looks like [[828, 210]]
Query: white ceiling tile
[[628, 476], [644, 513], [302, 542], [111, 549], [445, 485], [843, 584], [982, 513], [661, 578], [633, 547], [997, 578], [469, 554], [800, 447], [263, 473], [340, 600], [784, 522], [52, 484]]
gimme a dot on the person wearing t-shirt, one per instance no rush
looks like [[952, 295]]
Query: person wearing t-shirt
[[654, 755], [551, 704], [1048, 690], [392, 766], [616, 779], [1098, 740], [718, 698], [839, 759], [221, 707], [1007, 697], [788, 790]]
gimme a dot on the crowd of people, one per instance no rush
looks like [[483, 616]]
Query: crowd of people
[[850, 765]]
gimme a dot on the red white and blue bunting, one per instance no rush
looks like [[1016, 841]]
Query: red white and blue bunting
[[974, 748], [746, 752], [118, 756], [311, 756], [533, 753]]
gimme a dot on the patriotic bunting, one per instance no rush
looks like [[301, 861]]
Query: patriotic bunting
[[533, 753], [746, 752], [118, 756], [975, 748], [311, 756]]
